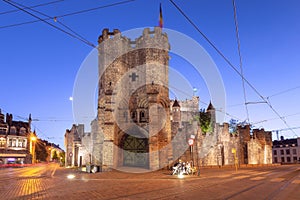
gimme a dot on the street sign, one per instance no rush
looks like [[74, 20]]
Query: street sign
[[191, 142]]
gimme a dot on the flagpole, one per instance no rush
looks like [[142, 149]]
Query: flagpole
[[160, 16]]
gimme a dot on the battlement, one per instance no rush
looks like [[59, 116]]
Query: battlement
[[262, 135], [190, 105], [149, 39], [106, 34]]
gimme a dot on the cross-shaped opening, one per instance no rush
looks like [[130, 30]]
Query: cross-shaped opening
[[133, 76]]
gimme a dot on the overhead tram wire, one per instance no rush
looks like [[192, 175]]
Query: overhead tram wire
[[26, 119], [35, 6], [240, 57], [77, 37], [56, 27], [67, 27], [284, 91], [271, 119], [68, 14], [229, 63]]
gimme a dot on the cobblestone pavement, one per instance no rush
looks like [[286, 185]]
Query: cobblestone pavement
[[51, 182]]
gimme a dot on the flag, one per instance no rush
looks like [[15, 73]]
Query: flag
[[160, 17]]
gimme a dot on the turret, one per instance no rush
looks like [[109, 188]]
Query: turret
[[1, 117], [212, 111], [176, 111]]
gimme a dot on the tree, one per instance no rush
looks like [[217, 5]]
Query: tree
[[205, 121], [233, 123], [41, 150], [54, 155], [62, 156]]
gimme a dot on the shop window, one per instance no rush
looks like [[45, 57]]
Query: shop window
[[2, 142], [24, 143], [14, 143], [20, 143]]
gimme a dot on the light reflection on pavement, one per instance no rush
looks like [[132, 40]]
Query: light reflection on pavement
[[48, 181]]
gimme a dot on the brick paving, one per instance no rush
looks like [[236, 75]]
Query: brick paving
[[50, 182]]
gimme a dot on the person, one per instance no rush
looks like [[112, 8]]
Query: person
[[177, 167], [188, 168]]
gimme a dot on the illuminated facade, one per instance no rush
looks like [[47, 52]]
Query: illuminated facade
[[14, 140], [286, 150], [136, 120], [51, 148]]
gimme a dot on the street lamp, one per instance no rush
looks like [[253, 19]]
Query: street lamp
[[33, 139]]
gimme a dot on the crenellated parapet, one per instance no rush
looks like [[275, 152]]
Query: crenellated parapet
[[262, 136], [149, 39], [119, 54], [107, 35]]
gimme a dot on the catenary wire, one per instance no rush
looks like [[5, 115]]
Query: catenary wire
[[35, 6], [284, 91], [229, 63], [56, 27], [68, 14], [62, 24], [240, 57]]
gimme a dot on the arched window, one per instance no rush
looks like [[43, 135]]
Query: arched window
[[22, 131], [134, 116], [142, 116], [13, 130]]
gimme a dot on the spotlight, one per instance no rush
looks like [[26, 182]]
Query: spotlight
[[71, 176]]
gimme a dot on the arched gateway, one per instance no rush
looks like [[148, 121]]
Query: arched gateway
[[134, 147]]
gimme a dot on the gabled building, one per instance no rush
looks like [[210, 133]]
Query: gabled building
[[15, 143], [78, 146], [51, 148]]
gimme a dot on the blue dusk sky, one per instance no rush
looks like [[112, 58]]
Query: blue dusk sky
[[39, 63]]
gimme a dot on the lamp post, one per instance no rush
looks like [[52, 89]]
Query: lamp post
[[50, 149], [32, 147]]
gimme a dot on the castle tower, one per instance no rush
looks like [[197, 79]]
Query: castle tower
[[176, 115], [133, 100], [1, 118], [212, 111]]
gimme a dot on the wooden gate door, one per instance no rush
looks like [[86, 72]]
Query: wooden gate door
[[135, 152]]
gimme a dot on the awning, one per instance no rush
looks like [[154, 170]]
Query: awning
[[7, 155]]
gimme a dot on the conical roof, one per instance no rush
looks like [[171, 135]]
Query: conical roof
[[176, 104], [210, 106]]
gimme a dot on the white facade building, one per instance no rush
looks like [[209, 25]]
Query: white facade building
[[286, 151]]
